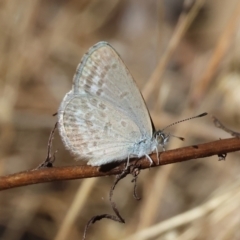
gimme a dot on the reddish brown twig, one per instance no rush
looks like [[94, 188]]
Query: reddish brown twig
[[78, 172]]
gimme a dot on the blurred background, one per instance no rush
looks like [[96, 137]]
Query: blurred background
[[185, 58]]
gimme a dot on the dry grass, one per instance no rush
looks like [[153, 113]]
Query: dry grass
[[41, 43]]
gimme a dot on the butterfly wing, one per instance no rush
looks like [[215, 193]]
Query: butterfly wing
[[104, 114], [94, 130], [102, 73]]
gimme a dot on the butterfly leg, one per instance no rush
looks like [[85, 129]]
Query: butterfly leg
[[128, 160], [149, 159], [157, 156]]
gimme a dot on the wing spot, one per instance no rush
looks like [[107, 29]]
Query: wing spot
[[83, 101], [107, 126], [102, 114], [84, 145], [88, 115], [103, 75], [85, 106], [88, 123], [124, 94], [114, 66], [123, 123], [87, 87], [99, 92], [101, 82], [102, 106], [89, 78], [106, 68], [92, 131], [94, 102]]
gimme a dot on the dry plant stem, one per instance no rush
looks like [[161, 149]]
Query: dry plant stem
[[79, 172], [80, 199], [117, 217], [50, 158], [184, 218], [218, 54], [218, 124], [184, 22], [135, 173]]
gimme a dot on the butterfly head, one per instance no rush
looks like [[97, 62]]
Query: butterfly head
[[161, 138]]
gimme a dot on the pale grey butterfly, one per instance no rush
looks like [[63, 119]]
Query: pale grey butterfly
[[104, 118]]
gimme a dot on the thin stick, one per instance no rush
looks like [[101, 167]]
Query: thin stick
[[130, 169], [218, 124], [50, 158], [78, 172], [184, 22], [117, 217], [219, 52]]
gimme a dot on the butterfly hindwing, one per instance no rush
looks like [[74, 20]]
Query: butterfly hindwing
[[94, 130]]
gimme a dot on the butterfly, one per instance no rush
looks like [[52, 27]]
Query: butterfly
[[104, 118]]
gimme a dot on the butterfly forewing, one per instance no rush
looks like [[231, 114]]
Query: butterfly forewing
[[102, 73]]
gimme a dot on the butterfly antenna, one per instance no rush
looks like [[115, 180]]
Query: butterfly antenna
[[180, 138], [198, 116]]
